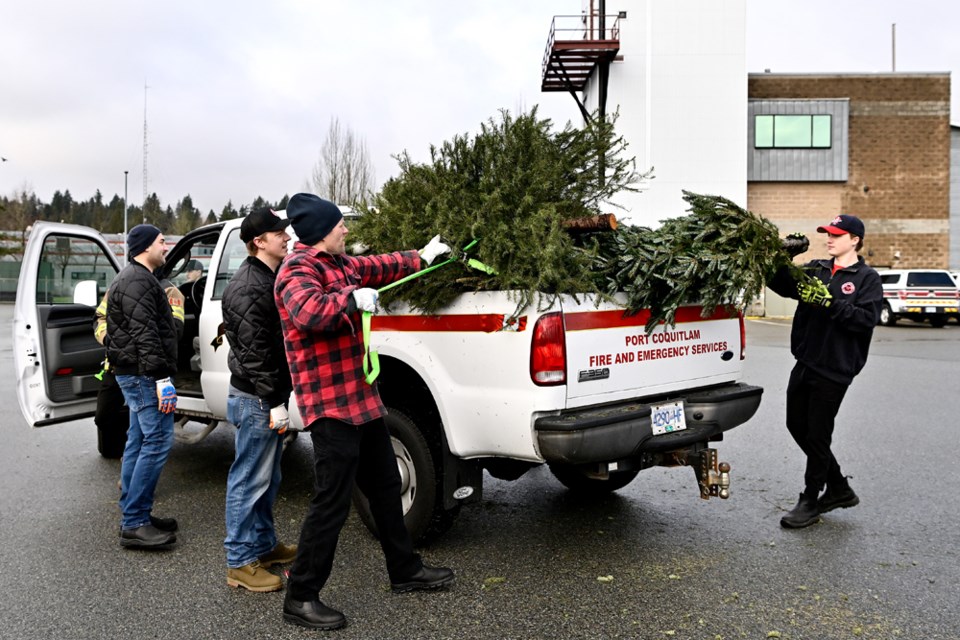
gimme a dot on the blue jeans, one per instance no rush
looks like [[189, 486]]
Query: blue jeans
[[149, 440], [253, 481]]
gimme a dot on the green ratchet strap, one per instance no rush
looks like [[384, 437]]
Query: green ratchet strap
[[371, 359]]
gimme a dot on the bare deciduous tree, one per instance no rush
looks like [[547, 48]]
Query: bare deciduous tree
[[344, 173], [19, 212]]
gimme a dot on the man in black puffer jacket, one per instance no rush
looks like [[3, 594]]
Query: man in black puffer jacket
[[260, 388], [141, 346]]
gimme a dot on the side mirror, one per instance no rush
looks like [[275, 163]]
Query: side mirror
[[86, 293]]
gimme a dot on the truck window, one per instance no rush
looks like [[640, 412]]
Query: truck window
[[195, 263], [234, 253], [930, 279], [66, 261]]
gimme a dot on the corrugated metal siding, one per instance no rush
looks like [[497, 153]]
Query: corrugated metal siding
[[800, 165]]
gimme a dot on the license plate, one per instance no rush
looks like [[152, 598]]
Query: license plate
[[931, 309], [667, 418]]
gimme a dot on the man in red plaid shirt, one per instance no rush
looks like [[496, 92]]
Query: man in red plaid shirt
[[320, 293]]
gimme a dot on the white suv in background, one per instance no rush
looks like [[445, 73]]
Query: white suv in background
[[919, 295]]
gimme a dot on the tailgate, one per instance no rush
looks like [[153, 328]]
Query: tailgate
[[929, 297], [610, 357]]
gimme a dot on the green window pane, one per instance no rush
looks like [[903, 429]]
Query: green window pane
[[821, 132], [792, 131], [762, 131]]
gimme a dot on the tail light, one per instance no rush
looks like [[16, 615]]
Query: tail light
[[743, 336], [548, 351]]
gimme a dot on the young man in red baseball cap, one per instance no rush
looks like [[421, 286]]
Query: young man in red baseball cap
[[830, 338]]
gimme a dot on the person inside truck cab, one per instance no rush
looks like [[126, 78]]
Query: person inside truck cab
[[193, 270], [320, 293], [830, 339]]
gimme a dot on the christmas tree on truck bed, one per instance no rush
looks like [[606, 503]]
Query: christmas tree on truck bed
[[531, 195]]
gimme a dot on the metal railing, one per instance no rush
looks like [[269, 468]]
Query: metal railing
[[579, 27]]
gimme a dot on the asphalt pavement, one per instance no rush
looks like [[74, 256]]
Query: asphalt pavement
[[650, 561]]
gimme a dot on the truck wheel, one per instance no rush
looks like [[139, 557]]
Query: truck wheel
[[420, 483], [887, 318], [938, 322], [575, 479]]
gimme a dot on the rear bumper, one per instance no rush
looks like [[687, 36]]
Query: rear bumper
[[622, 431], [918, 309]]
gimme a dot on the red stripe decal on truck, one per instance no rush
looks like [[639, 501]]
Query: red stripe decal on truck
[[586, 320], [485, 322]]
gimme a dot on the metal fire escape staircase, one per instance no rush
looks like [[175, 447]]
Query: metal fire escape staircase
[[576, 46]]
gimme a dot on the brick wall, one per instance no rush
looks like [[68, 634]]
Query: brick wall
[[899, 166]]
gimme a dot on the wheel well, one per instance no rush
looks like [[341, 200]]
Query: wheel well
[[402, 387]]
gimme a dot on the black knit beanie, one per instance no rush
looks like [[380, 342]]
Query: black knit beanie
[[312, 217], [141, 237]]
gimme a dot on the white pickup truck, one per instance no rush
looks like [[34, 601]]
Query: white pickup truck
[[578, 386]]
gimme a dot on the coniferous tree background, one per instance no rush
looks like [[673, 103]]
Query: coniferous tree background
[[511, 187]]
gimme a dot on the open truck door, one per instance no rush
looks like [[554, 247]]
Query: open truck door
[[66, 270]]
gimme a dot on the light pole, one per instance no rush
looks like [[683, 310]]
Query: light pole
[[125, 217]]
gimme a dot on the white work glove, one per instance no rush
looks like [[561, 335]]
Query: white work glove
[[279, 419], [366, 299], [433, 249], [166, 395]]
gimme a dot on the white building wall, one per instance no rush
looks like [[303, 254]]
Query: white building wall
[[681, 90]]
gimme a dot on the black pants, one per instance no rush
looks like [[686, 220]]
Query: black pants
[[812, 405], [112, 417], [344, 454]]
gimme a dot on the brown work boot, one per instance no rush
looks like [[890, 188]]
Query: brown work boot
[[253, 577], [281, 554]]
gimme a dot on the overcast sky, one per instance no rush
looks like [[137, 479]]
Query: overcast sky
[[240, 94]]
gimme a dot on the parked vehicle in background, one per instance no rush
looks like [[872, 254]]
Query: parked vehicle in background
[[921, 295], [575, 384]]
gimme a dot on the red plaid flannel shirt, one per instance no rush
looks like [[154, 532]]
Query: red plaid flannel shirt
[[324, 345]]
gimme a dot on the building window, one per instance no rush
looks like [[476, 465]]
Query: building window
[[792, 131]]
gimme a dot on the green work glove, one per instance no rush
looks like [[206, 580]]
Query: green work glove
[[814, 292]]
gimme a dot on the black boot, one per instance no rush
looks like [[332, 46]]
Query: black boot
[[146, 537], [165, 524], [426, 579], [838, 497], [312, 613], [804, 514]]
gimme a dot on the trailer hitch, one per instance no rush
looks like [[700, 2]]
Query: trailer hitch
[[713, 477]]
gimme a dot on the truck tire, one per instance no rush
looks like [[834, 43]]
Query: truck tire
[[576, 480], [887, 318], [938, 322], [421, 483]]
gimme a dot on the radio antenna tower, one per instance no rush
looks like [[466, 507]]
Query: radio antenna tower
[[145, 185]]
